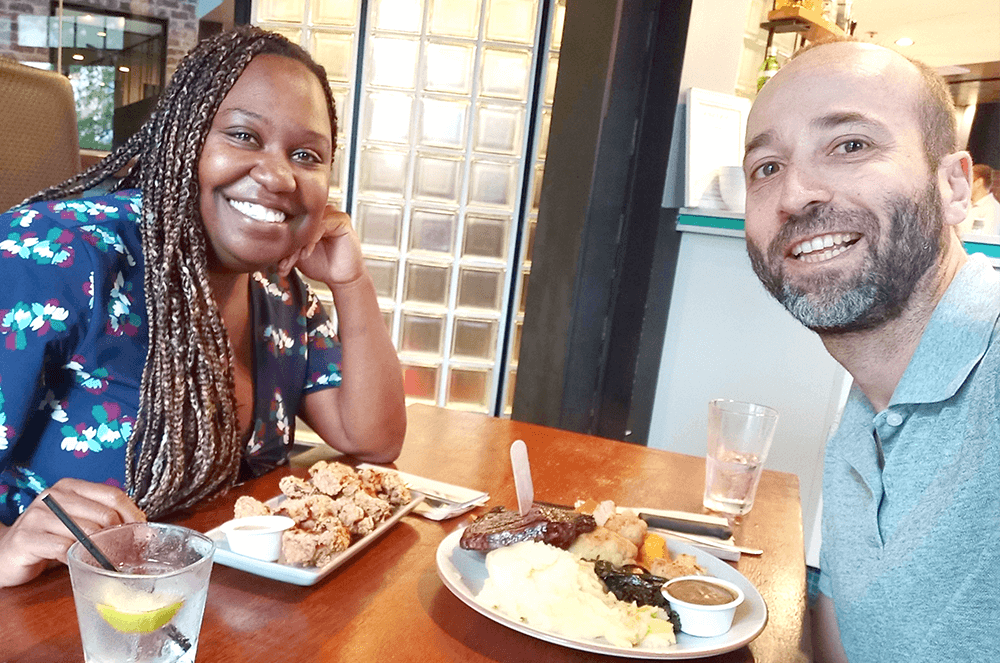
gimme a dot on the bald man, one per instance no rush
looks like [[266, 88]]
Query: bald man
[[854, 190]]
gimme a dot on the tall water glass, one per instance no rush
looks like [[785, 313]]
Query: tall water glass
[[739, 437]]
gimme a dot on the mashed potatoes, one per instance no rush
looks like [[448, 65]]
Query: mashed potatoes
[[554, 590]]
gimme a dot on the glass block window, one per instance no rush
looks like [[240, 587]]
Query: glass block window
[[439, 103]]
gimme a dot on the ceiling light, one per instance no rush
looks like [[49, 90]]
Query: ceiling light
[[904, 41], [123, 69], [77, 56], [102, 33]]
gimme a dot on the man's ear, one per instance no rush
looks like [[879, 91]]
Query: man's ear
[[955, 185]]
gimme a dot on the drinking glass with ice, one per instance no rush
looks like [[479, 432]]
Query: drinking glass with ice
[[149, 609]]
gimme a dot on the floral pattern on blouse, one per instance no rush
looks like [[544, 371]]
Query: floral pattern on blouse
[[6, 432], [74, 342]]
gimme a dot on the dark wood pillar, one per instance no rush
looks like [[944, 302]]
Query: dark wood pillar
[[604, 249]]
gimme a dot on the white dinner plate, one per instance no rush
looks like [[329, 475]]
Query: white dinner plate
[[293, 573], [464, 571]]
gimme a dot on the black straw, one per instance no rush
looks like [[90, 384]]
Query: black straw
[[78, 533], [92, 548]]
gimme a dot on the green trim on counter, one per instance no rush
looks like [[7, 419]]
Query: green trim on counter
[[988, 250], [726, 223]]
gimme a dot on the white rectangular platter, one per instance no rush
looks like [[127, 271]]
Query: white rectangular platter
[[302, 575]]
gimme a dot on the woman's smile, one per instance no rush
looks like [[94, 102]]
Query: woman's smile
[[257, 212]]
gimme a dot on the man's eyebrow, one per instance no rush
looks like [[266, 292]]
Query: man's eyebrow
[[831, 121], [760, 140], [834, 120]]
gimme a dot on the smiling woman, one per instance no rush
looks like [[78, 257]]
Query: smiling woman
[[182, 343]]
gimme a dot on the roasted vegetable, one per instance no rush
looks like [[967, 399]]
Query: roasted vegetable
[[653, 547], [634, 583]]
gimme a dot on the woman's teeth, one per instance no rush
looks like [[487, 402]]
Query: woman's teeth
[[824, 247], [258, 212]]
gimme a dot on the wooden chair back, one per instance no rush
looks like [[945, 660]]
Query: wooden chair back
[[39, 145]]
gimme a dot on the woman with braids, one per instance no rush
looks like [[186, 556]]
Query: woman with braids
[[155, 342]]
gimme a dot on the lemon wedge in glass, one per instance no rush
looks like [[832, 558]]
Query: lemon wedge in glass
[[139, 619]]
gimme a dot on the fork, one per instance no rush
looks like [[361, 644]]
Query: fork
[[437, 500]]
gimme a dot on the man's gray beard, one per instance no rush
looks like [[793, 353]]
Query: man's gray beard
[[849, 308], [881, 289]]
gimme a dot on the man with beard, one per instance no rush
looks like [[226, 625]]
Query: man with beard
[[854, 189]]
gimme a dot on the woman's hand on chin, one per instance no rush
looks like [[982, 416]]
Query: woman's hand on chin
[[38, 538], [335, 257]]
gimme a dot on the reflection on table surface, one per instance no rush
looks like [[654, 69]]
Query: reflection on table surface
[[388, 604]]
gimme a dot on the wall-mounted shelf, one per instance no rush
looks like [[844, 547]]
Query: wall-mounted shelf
[[807, 21]]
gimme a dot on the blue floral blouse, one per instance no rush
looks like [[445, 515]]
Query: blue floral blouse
[[73, 343]]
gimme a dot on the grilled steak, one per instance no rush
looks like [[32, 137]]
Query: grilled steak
[[499, 527]]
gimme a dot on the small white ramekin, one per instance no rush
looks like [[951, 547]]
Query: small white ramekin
[[257, 536], [706, 621]]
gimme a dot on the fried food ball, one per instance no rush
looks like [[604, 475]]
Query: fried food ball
[[351, 515], [386, 485], [360, 513], [371, 481], [247, 506], [604, 544], [334, 478], [682, 565], [628, 525], [309, 511], [314, 547], [373, 506], [296, 487], [603, 511]]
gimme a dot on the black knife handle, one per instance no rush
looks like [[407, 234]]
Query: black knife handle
[[686, 526]]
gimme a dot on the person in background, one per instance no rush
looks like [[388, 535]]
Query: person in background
[[157, 340], [984, 215], [855, 187]]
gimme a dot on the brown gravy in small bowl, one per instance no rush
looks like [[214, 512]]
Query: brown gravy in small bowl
[[701, 592]]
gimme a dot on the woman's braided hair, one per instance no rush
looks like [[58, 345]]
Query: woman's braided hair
[[186, 444]]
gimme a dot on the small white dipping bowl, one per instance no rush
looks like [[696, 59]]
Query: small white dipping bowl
[[257, 536], [705, 621]]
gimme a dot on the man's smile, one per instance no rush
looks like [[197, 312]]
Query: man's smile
[[824, 247]]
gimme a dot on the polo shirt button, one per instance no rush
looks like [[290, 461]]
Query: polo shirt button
[[894, 419]]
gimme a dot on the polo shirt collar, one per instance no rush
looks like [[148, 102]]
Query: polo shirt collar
[[953, 343], [956, 337]]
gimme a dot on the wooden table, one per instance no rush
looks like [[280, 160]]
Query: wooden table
[[388, 604]]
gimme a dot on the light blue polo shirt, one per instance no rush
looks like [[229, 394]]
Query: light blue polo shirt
[[911, 545]]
